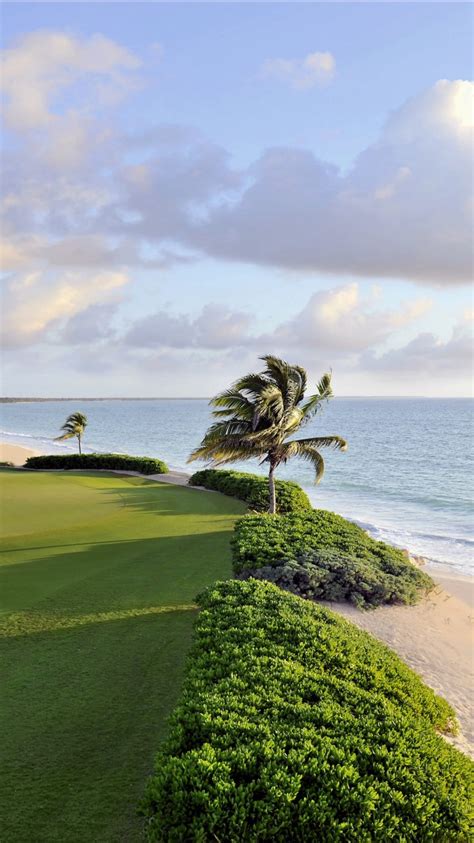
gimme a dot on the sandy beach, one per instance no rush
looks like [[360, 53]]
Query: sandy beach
[[435, 637], [15, 454]]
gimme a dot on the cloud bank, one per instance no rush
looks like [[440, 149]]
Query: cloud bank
[[403, 210], [87, 204]]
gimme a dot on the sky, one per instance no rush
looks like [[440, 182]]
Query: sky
[[187, 187]]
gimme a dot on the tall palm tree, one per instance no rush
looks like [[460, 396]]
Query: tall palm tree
[[74, 425], [258, 414]]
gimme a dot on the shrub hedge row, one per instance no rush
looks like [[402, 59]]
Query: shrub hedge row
[[322, 555], [253, 489], [113, 462], [294, 726]]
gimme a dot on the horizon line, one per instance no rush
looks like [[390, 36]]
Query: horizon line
[[15, 398]]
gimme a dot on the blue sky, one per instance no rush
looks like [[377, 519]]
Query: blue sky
[[314, 188]]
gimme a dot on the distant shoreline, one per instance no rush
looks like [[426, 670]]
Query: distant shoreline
[[104, 398], [27, 400]]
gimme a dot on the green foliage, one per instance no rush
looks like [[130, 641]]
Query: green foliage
[[101, 462], [320, 554], [74, 425], [295, 727], [6, 464], [257, 414], [253, 489]]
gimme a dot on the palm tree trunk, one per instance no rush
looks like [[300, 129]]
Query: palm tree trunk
[[271, 490], [79, 442]]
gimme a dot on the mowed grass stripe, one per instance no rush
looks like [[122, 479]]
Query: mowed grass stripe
[[29, 623], [98, 579]]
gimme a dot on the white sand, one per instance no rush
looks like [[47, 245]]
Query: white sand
[[15, 454], [436, 639]]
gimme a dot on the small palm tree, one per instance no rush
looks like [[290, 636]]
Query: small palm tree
[[74, 425], [258, 414]]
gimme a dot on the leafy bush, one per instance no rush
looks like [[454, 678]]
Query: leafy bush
[[102, 462], [294, 726], [6, 464], [253, 489], [320, 554]]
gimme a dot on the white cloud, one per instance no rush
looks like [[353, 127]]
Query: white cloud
[[216, 327], [315, 69], [403, 211], [90, 325], [340, 321], [42, 64], [429, 355], [34, 303]]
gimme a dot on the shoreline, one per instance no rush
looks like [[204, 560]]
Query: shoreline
[[16, 454], [435, 637]]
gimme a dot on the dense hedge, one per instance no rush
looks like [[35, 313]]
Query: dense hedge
[[112, 462], [294, 726], [322, 555], [253, 489]]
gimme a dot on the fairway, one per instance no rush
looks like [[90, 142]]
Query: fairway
[[98, 578]]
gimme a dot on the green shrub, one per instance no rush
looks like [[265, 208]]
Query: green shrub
[[253, 489], [102, 462], [320, 554], [6, 464], [295, 727]]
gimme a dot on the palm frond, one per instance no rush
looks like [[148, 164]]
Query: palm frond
[[253, 383], [293, 420], [257, 414], [303, 451], [221, 453], [270, 403], [314, 457], [221, 430], [74, 425], [232, 401], [324, 393], [336, 442], [278, 371]]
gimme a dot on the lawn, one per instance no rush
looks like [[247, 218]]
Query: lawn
[[99, 573]]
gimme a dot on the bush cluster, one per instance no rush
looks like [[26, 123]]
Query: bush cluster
[[102, 462], [294, 726], [320, 554], [253, 489]]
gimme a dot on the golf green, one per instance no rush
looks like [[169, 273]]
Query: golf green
[[99, 573]]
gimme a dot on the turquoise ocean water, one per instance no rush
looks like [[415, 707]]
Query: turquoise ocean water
[[406, 477]]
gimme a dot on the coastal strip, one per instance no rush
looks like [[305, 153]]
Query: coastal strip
[[435, 638], [16, 454]]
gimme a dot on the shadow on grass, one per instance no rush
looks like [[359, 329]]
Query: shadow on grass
[[84, 711], [167, 499], [122, 576], [98, 633]]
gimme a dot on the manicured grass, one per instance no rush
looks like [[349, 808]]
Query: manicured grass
[[97, 587]]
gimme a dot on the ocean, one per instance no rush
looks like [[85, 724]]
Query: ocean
[[407, 476]]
